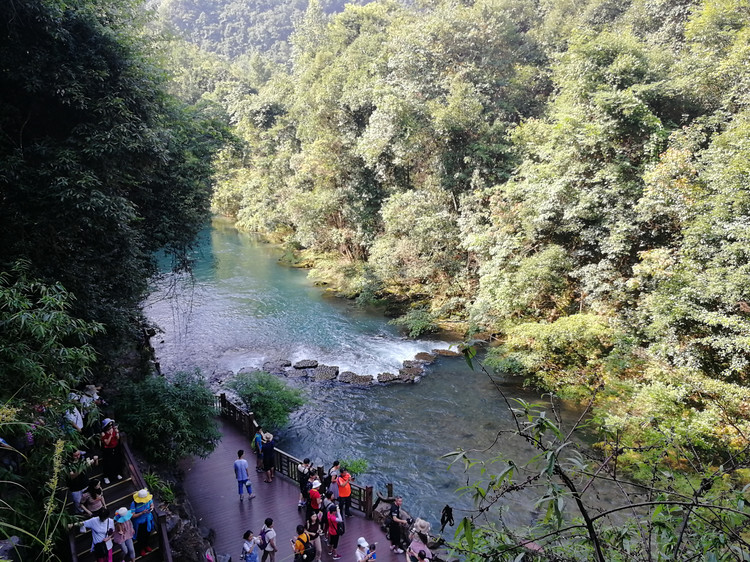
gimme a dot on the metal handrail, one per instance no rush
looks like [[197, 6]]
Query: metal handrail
[[286, 464]]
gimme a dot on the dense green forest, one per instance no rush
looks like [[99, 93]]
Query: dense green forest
[[237, 28], [568, 179], [99, 168]]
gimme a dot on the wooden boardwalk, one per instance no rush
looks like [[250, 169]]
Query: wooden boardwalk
[[211, 486]]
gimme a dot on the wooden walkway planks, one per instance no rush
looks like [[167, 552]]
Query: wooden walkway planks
[[212, 490]]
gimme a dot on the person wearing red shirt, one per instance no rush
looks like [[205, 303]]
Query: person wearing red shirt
[[314, 500]]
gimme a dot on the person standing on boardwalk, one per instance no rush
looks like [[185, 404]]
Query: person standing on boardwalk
[[303, 476], [363, 554], [314, 501], [314, 530], [394, 526], [243, 480], [268, 541], [332, 479], [248, 547], [269, 456], [345, 492], [334, 518], [258, 448]]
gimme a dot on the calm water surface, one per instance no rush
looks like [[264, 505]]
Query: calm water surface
[[242, 308]]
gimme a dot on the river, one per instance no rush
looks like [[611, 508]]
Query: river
[[242, 308]]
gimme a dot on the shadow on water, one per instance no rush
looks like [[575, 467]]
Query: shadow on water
[[241, 309]]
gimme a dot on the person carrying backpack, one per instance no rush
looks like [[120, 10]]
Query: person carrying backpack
[[334, 521], [304, 549], [268, 541]]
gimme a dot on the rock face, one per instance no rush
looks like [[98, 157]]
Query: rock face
[[347, 376], [306, 364], [362, 379], [325, 373]]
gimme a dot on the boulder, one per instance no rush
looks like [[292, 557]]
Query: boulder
[[386, 377], [277, 366], [410, 363], [306, 364], [347, 376], [410, 374], [362, 379], [425, 357], [447, 352], [325, 373], [297, 373]]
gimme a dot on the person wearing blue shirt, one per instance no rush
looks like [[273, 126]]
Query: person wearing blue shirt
[[243, 480]]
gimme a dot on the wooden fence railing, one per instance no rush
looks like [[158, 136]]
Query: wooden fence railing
[[140, 483], [286, 464]]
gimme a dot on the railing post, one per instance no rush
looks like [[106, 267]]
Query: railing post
[[389, 489], [367, 507]]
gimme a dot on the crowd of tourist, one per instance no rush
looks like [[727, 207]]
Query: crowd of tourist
[[325, 497], [326, 502], [131, 525]]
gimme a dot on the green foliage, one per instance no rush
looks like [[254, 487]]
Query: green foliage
[[677, 517], [169, 419], [44, 353], [267, 397], [559, 355], [156, 484], [356, 466], [98, 166], [44, 350], [417, 321]]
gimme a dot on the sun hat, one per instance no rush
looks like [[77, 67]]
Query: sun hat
[[316, 484], [123, 514], [267, 437], [107, 421], [91, 390], [142, 496], [422, 526], [361, 541]]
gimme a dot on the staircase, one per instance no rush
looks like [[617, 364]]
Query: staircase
[[120, 494]]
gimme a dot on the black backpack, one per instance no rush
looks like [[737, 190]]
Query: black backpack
[[309, 550]]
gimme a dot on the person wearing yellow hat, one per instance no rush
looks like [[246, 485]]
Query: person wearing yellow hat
[[143, 519]]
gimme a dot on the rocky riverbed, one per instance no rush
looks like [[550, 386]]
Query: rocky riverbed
[[411, 371]]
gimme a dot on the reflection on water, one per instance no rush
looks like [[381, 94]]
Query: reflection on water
[[241, 309]]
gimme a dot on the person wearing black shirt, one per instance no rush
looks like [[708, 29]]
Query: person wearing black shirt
[[395, 525]]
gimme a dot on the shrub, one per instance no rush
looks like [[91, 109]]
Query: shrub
[[168, 420], [355, 466], [268, 397], [417, 321]]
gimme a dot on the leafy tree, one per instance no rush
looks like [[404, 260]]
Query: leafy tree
[[44, 353], [674, 515], [169, 419], [98, 166], [268, 398]]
